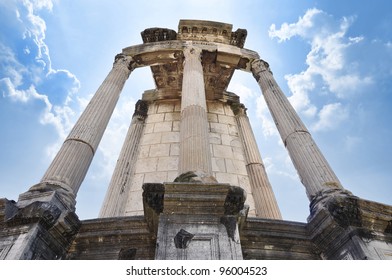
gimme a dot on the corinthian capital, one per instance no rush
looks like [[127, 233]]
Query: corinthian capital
[[191, 51], [121, 60], [258, 66]]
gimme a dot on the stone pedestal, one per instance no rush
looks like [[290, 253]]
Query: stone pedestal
[[195, 220], [343, 226], [43, 229]]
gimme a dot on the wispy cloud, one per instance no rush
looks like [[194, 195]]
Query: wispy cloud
[[26, 73]]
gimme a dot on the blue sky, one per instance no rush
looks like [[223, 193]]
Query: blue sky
[[333, 59]]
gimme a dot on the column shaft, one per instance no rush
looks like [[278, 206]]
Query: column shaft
[[117, 193], [194, 149], [70, 165], [265, 201], [313, 169]]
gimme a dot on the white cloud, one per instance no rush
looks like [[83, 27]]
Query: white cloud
[[30, 78], [330, 116], [330, 70], [300, 28], [242, 91], [267, 123]]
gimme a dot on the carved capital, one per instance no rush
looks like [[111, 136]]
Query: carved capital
[[238, 37], [192, 52], [258, 66], [238, 108], [235, 201], [158, 34], [141, 109], [153, 194], [123, 61], [182, 239]]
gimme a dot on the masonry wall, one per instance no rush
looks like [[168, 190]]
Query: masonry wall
[[159, 151]]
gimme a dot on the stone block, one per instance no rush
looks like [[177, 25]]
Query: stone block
[[215, 138], [239, 167], [219, 128], [144, 151], [227, 139], [171, 137], [174, 149], [228, 110], [230, 167], [148, 128], [165, 107], [212, 117], [171, 175], [168, 164], [155, 177], [174, 116], [221, 151], [233, 130], [135, 201], [159, 150], [152, 109], [177, 106], [226, 119], [238, 153], [215, 107], [218, 165], [244, 183], [155, 118], [163, 127], [146, 165], [236, 142], [137, 182], [176, 126], [227, 178], [152, 138]]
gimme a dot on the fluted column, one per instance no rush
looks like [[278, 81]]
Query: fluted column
[[194, 148], [71, 163], [117, 193], [265, 201], [313, 169]]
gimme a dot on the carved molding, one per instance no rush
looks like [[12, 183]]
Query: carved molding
[[182, 239], [235, 201], [258, 66], [123, 61], [238, 37], [141, 109], [156, 34]]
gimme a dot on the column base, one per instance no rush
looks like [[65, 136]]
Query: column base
[[39, 226], [195, 220], [344, 226]]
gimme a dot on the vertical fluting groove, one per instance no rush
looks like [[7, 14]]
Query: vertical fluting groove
[[71, 163], [119, 186], [194, 141], [312, 167], [263, 195]]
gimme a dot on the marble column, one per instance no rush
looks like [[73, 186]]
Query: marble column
[[313, 169], [69, 167], [265, 201], [194, 148], [117, 193]]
